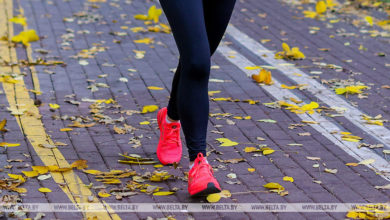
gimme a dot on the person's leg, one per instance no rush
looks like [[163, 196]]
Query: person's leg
[[172, 104], [217, 15], [186, 19]]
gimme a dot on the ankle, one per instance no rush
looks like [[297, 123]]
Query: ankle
[[192, 163], [169, 120]]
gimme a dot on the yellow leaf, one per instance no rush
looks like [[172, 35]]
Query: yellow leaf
[[40, 169], [330, 3], [222, 99], [20, 190], [352, 164], [5, 144], [25, 37], [264, 76], [54, 106], [269, 151], [225, 142], [214, 197], [155, 88], [273, 185], [146, 40], [149, 108], [350, 139], [44, 190], [287, 53], [55, 168], [19, 20], [8, 79], [144, 123], [162, 193], [2, 125], [141, 17], [137, 29], [288, 179], [350, 89], [251, 149], [251, 170], [295, 100], [321, 7], [158, 166], [288, 87], [79, 164], [154, 13], [211, 93], [17, 177], [107, 101], [367, 161], [103, 194], [66, 129], [35, 91], [112, 181], [310, 14], [353, 214], [309, 122], [93, 172], [285, 47], [252, 67], [369, 20], [32, 173]]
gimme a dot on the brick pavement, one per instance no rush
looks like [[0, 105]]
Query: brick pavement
[[100, 145]]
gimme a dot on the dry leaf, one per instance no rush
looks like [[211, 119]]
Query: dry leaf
[[214, 197]]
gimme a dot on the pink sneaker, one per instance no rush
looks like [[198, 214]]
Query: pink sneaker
[[169, 148], [201, 180]]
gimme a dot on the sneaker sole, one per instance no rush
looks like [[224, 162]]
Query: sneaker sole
[[211, 188]]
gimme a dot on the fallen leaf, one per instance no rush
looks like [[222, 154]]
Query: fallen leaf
[[225, 194], [155, 88], [2, 125], [214, 197], [54, 106], [352, 164], [104, 194], [5, 144], [19, 20], [30, 174], [287, 53], [17, 177], [79, 164], [267, 120], [149, 108], [330, 170], [44, 190], [25, 37], [167, 193], [264, 76], [225, 142], [288, 179], [313, 158]]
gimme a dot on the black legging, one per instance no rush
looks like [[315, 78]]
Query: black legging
[[198, 27]]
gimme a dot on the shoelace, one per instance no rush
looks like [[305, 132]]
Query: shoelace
[[172, 135], [201, 163]]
